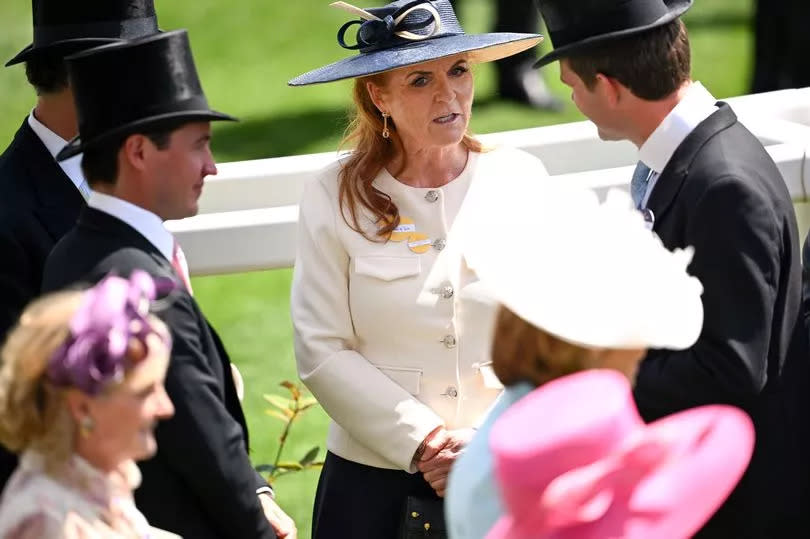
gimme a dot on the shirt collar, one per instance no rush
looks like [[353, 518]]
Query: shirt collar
[[54, 143], [78, 473], [696, 105], [149, 225]]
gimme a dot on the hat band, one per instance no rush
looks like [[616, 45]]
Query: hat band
[[624, 16], [125, 29], [93, 127]]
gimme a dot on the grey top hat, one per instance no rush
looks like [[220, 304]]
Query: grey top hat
[[578, 25], [135, 86], [408, 32], [66, 27]]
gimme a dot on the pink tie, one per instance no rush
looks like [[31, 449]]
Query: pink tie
[[181, 266]]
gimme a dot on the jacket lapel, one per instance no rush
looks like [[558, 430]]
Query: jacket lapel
[[672, 177], [59, 200]]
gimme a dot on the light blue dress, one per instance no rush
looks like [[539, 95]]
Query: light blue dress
[[473, 504]]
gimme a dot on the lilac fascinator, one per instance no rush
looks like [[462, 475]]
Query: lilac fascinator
[[110, 314]]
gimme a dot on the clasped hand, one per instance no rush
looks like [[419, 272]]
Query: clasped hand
[[442, 447]]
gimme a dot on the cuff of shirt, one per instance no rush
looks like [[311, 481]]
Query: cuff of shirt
[[266, 490]]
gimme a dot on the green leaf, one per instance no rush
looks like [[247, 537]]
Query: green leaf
[[265, 468], [285, 417], [279, 402], [307, 402], [294, 391], [310, 456], [289, 465]]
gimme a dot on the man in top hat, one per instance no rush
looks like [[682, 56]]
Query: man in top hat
[[144, 130], [40, 199], [703, 180]]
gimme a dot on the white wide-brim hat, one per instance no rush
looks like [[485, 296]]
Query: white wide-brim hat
[[590, 273]]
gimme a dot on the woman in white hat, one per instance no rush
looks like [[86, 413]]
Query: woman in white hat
[[384, 335], [597, 290]]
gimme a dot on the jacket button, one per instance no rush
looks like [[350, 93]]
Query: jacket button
[[440, 244], [449, 341], [432, 196], [447, 292], [451, 392]]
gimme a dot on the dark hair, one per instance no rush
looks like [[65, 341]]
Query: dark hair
[[523, 352], [100, 163], [47, 73], [652, 64]]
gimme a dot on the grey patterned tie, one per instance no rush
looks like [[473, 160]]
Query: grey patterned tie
[[638, 185]]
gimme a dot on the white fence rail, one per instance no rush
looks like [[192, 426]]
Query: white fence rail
[[248, 212]]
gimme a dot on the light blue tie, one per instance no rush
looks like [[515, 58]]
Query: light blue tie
[[84, 189], [638, 185]]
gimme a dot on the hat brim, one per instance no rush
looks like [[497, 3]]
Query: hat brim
[[480, 48], [65, 48], [77, 145], [677, 8], [681, 494]]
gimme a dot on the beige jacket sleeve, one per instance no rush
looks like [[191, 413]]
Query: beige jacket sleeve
[[372, 408]]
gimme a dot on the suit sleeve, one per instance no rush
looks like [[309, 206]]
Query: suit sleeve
[[375, 410], [737, 258], [18, 284], [202, 441]]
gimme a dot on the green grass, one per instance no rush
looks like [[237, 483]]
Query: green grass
[[245, 53]]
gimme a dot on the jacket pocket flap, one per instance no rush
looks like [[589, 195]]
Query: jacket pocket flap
[[387, 268], [407, 378]]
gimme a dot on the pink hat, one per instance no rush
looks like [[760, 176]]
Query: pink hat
[[588, 466]]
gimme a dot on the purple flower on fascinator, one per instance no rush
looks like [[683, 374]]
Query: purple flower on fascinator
[[111, 313]]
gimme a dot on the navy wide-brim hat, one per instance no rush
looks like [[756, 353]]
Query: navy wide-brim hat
[[408, 32], [579, 25], [135, 86], [64, 27]]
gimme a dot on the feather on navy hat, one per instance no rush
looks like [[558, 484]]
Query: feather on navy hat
[[408, 32]]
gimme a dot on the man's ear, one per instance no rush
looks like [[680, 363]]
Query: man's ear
[[134, 151], [610, 88]]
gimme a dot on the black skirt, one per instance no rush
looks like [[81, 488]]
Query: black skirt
[[362, 502]]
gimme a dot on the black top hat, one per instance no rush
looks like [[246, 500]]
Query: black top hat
[[408, 32], [576, 25], [67, 26], [135, 86]]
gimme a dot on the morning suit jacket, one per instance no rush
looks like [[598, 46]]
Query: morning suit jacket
[[38, 205], [200, 484], [722, 194]]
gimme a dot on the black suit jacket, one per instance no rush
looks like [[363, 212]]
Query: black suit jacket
[[38, 205], [200, 483], [723, 194]]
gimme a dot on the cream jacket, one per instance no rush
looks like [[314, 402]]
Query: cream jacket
[[392, 338]]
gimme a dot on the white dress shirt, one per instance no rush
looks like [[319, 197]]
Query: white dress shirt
[[54, 144], [696, 105], [148, 225]]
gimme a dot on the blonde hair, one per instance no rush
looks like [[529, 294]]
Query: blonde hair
[[33, 412], [371, 153], [523, 352]]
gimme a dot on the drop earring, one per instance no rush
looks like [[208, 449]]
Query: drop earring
[[385, 132], [86, 426]]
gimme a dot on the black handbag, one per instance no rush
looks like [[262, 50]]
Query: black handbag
[[424, 517]]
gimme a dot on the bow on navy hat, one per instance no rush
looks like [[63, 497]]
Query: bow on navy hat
[[408, 32]]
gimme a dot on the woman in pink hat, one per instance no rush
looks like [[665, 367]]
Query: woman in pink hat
[[579, 300]]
